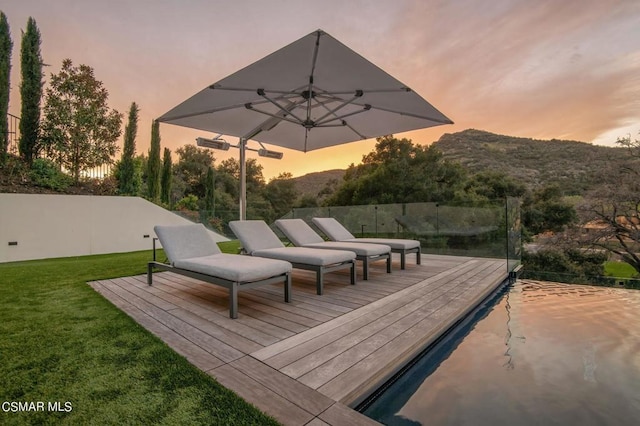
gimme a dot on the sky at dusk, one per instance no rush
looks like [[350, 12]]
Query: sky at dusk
[[532, 68]]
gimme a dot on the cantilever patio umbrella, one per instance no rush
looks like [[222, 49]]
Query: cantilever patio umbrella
[[313, 93]]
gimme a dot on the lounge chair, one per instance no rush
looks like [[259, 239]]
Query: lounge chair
[[302, 235], [192, 252], [336, 232], [258, 239]]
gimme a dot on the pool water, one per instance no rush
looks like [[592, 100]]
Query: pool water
[[543, 354]]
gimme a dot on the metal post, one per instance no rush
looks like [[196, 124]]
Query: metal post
[[376, 214], [243, 179]]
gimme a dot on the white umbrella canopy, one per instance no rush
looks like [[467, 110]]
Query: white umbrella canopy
[[313, 93]]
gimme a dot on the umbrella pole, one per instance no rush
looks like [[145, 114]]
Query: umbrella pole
[[243, 179]]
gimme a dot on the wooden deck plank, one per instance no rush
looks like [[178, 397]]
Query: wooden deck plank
[[280, 304], [235, 340], [223, 321], [317, 422], [167, 282], [275, 320], [317, 312], [335, 363], [313, 299], [259, 395], [172, 284], [341, 415], [275, 349], [340, 354], [347, 386], [278, 309], [302, 356], [290, 389]]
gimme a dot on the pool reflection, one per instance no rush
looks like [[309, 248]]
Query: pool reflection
[[544, 353]]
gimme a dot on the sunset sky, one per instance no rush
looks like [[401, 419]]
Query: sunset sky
[[532, 68]]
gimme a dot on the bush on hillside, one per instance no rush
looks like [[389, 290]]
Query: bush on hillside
[[45, 173]]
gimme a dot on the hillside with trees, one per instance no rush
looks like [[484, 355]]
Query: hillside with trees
[[572, 165]]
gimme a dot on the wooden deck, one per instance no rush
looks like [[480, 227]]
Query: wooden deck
[[308, 361]]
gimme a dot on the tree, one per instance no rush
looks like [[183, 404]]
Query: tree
[[191, 169], [545, 210], [398, 171], [255, 178], [229, 177], [153, 164], [281, 193], [166, 178], [494, 185], [5, 71], [567, 265], [126, 178], [612, 211], [30, 91], [79, 129]]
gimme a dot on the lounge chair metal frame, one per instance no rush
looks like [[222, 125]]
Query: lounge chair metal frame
[[232, 286], [367, 259], [405, 252], [321, 270]]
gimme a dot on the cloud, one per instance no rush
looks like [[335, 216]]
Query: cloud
[[541, 69]]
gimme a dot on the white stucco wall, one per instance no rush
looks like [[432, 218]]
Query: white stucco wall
[[47, 226]]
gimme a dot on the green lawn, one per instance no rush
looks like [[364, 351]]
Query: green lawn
[[619, 270], [63, 342]]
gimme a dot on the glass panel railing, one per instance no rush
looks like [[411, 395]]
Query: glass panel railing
[[489, 230], [492, 229]]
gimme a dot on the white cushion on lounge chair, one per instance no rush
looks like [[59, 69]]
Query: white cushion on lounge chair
[[259, 240], [303, 235], [298, 232], [255, 235], [309, 256], [186, 241], [333, 229], [336, 232], [233, 267], [360, 249]]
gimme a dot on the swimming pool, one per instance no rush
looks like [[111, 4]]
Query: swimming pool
[[542, 354]]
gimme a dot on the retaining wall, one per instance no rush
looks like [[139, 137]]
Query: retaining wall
[[34, 226]]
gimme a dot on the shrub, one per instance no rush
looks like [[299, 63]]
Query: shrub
[[46, 174], [190, 202], [568, 266]]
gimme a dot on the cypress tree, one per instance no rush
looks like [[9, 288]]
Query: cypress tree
[[127, 181], [30, 91], [153, 164], [5, 70], [167, 177]]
